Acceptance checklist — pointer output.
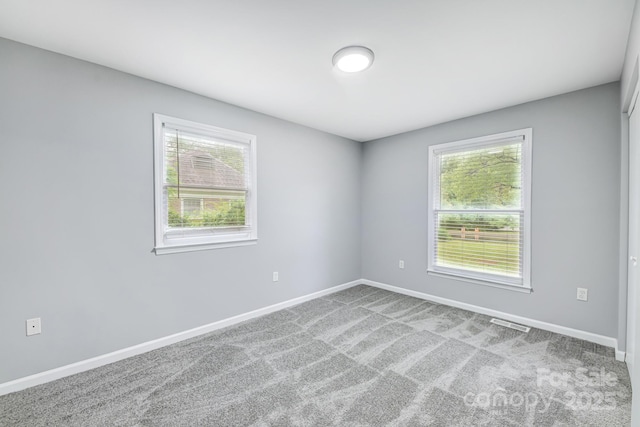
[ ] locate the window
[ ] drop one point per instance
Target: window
(479, 209)
(192, 207)
(205, 186)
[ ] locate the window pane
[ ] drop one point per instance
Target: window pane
(199, 161)
(212, 210)
(480, 241)
(485, 178)
(205, 181)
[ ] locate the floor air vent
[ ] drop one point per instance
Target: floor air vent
(510, 325)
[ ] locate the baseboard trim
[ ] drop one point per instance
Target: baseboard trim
(95, 362)
(105, 359)
(575, 333)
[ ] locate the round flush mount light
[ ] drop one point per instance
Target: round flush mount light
(353, 59)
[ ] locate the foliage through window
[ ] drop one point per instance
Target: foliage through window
(205, 186)
(479, 208)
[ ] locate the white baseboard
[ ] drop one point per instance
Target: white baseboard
(105, 359)
(575, 333)
(95, 362)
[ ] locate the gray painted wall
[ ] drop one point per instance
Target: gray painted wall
(76, 176)
(76, 179)
(575, 209)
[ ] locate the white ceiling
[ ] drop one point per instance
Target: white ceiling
(436, 60)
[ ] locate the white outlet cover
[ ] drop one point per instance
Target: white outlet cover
(583, 294)
(34, 326)
(275, 276)
(401, 264)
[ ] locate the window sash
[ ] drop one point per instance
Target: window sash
(478, 249)
(188, 146)
(438, 155)
(204, 208)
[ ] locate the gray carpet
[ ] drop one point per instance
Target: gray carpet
(360, 357)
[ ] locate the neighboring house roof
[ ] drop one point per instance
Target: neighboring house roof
(200, 169)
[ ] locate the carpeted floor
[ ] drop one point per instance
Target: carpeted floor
(360, 357)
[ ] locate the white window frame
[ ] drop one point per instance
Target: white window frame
(168, 241)
(519, 284)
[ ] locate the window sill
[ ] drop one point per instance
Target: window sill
(515, 288)
(178, 248)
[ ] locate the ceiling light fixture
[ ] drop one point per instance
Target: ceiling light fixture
(352, 59)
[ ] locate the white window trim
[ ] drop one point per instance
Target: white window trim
(478, 277)
(165, 241)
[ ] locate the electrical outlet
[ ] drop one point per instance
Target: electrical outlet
(401, 264)
(34, 326)
(275, 276)
(583, 294)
